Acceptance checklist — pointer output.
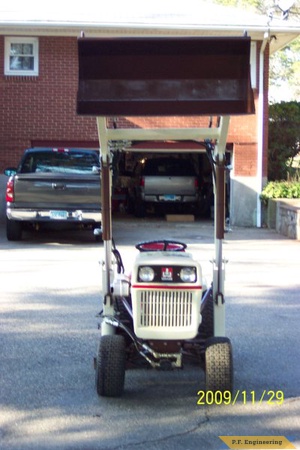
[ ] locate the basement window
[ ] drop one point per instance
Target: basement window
(21, 56)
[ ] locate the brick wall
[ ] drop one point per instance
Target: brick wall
(42, 111)
(43, 108)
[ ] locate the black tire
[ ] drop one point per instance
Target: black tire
(110, 366)
(218, 365)
(13, 230)
(98, 238)
(130, 205)
(140, 209)
(206, 329)
(122, 314)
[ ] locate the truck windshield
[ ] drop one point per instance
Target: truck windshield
(67, 162)
(168, 167)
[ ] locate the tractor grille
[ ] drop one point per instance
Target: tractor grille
(165, 308)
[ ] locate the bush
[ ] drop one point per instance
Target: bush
(280, 189)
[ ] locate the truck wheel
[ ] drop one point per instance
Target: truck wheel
(98, 237)
(130, 205)
(140, 209)
(110, 366)
(218, 365)
(13, 230)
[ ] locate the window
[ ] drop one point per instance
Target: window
(62, 161)
(21, 56)
(168, 167)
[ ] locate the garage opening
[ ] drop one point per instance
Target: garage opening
(190, 160)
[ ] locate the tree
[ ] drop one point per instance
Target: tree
(270, 7)
(285, 72)
(284, 138)
(285, 63)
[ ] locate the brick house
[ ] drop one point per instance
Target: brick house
(39, 77)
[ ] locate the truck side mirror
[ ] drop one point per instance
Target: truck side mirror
(10, 171)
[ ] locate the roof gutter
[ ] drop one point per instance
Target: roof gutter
(73, 28)
(140, 26)
(260, 118)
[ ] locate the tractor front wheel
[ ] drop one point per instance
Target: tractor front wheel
(110, 366)
(218, 365)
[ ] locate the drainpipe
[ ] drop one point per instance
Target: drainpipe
(260, 118)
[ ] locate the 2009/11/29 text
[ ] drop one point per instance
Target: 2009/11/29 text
(244, 397)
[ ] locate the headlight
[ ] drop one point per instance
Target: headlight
(188, 274)
(146, 273)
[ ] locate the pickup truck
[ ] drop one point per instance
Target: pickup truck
(161, 182)
(53, 185)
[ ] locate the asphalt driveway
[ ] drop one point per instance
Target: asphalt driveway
(50, 294)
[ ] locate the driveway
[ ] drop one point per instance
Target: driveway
(50, 294)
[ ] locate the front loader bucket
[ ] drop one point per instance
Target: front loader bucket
(164, 76)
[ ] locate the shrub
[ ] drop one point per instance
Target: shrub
(280, 189)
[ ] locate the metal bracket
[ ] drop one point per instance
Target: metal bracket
(219, 299)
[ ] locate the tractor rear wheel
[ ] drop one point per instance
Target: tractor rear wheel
(218, 365)
(110, 366)
(206, 328)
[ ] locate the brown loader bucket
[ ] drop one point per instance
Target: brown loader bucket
(164, 76)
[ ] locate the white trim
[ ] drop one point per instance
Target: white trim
(260, 129)
(253, 64)
(9, 40)
(284, 35)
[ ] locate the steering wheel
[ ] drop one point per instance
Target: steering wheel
(161, 245)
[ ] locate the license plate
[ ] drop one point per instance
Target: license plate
(59, 215)
(169, 198)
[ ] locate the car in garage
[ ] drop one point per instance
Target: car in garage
(163, 183)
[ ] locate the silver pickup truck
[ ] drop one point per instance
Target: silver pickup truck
(53, 185)
(161, 182)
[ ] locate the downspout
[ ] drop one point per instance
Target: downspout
(260, 118)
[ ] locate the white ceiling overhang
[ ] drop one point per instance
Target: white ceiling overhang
(131, 18)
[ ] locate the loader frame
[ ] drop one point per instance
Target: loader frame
(219, 135)
(165, 76)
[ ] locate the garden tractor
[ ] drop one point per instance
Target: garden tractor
(163, 310)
